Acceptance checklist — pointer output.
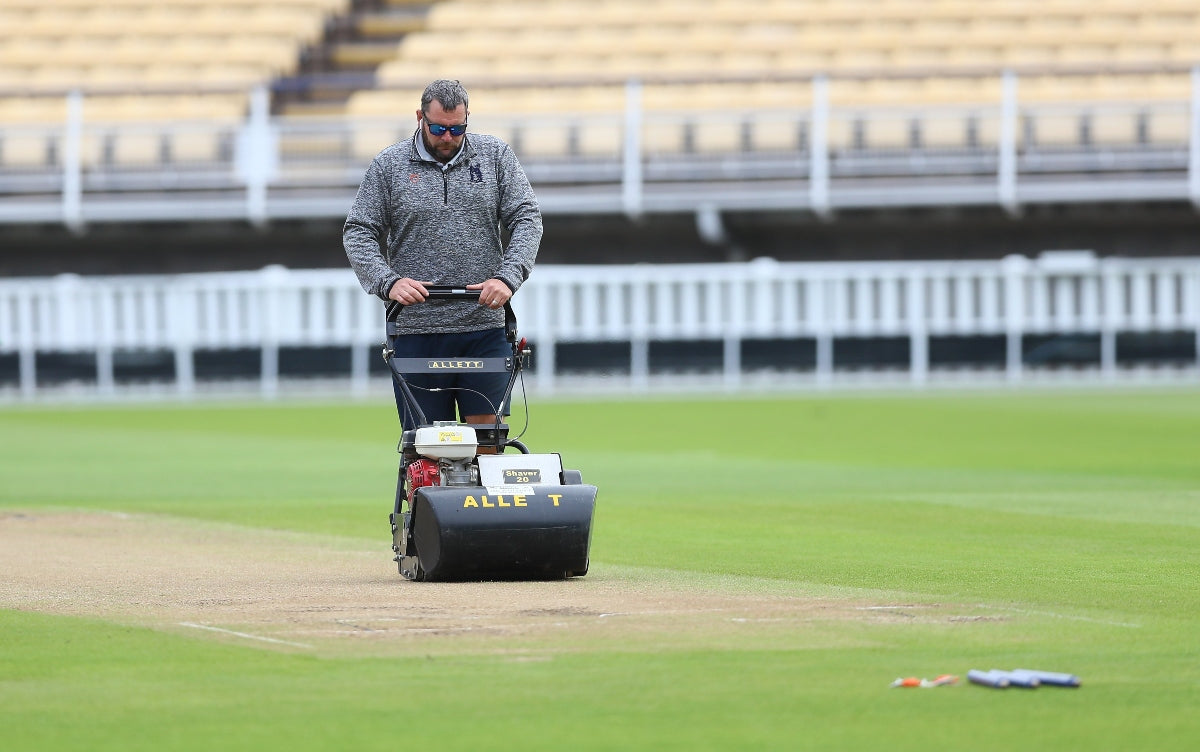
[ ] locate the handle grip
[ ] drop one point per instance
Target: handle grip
(436, 292)
(450, 292)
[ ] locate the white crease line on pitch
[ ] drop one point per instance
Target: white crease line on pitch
(1051, 614)
(244, 634)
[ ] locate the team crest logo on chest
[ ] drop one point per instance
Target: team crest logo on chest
(414, 177)
(476, 174)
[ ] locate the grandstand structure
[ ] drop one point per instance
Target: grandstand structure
(183, 110)
(228, 136)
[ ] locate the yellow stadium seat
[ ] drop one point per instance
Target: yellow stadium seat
(607, 99)
(141, 147)
(1185, 51)
(12, 76)
(542, 139)
(372, 137)
(25, 149)
(888, 131)
(1113, 126)
(384, 102)
(1140, 52)
(1050, 128)
(1095, 54)
(599, 138)
(194, 145)
(33, 110)
(714, 134)
(713, 96)
(652, 40)
(942, 131)
(516, 67)
(1022, 54)
(787, 132)
(1168, 127)
(804, 60)
(743, 62)
(841, 132)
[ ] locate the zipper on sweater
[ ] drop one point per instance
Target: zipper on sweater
(445, 188)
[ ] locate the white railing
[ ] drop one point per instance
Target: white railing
(809, 304)
(812, 155)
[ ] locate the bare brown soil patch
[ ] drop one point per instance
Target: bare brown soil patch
(307, 592)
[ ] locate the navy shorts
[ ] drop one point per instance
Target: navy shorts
(464, 393)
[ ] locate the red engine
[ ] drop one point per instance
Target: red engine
(421, 473)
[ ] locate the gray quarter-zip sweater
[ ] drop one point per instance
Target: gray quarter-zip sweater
(414, 217)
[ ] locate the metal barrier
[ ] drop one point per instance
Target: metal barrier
(791, 305)
(811, 155)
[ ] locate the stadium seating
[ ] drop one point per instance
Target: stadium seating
(716, 38)
(217, 51)
(727, 59)
(877, 53)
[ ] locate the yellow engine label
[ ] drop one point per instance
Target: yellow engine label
(451, 436)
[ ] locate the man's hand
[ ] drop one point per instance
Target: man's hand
(493, 293)
(407, 291)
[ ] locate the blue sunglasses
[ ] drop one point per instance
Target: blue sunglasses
(437, 129)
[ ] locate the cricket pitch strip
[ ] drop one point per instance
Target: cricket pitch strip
(303, 592)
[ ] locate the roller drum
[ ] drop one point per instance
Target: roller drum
(477, 533)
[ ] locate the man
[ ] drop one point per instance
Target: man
(430, 211)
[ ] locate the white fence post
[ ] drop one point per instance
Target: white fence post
(818, 147)
(366, 336)
(631, 174)
(359, 369)
(1194, 141)
(274, 281)
(27, 343)
(918, 333)
(1015, 267)
(1110, 282)
(1010, 115)
(639, 340)
(105, 338)
(1193, 302)
(258, 155)
(822, 322)
(181, 328)
(545, 353)
(731, 355)
(72, 163)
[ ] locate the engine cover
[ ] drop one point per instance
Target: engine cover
(422, 473)
(446, 441)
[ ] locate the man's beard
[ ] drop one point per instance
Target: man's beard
(441, 152)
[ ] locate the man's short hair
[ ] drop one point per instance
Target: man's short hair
(450, 94)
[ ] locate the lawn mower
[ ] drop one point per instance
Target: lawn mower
(467, 510)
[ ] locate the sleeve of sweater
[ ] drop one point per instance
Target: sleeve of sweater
(521, 216)
(364, 236)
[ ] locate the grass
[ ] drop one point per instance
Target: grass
(1075, 516)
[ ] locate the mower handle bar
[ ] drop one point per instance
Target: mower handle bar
(435, 292)
(451, 292)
